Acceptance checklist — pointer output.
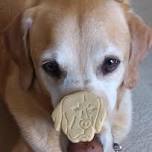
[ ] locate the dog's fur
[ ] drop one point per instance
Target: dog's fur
(79, 35)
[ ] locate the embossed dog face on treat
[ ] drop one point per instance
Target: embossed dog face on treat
(80, 116)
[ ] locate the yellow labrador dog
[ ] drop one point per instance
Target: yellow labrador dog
(52, 48)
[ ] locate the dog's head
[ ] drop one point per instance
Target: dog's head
(80, 115)
(71, 46)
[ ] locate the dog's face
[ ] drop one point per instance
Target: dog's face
(72, 46)
(80, 116)
(82, 120)
(81, 49)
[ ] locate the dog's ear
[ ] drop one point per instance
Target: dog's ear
(57, 117)
(141, 42)
(101, 116)
(17, 42)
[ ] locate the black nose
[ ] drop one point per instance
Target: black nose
(93, 146)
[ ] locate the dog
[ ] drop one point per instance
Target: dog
(53, 48)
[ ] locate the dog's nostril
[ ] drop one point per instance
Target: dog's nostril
(92, 147)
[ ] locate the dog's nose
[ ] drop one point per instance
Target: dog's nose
(85, 124)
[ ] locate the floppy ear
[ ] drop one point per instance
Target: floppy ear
(16, 39)
(101, 116)
(57, 117)
(141, 42)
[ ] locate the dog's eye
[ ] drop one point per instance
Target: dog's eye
(52, 68)
(110, 64)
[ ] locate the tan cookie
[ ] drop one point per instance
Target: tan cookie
(80, 116)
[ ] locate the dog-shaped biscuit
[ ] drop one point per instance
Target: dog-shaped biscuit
(80, 116)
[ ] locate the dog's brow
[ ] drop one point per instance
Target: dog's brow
(48, 55)
(110, 50)
(114, 50)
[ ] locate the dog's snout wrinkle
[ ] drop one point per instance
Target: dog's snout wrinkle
(84, 115)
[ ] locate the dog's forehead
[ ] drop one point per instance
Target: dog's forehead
(87, 30)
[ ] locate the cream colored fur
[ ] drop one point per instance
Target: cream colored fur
(80, 34)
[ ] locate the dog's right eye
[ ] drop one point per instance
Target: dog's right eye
(52, 68)
(110, 64)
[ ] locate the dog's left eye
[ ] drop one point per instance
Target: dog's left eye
(52, 68)
(109, 65)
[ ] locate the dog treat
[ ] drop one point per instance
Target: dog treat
(80, 116)
(93, 146)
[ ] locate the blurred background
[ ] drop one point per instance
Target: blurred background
(140, 137)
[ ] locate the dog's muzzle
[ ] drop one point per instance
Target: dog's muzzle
(80, 116)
